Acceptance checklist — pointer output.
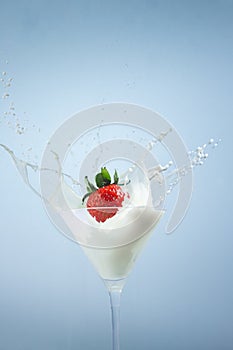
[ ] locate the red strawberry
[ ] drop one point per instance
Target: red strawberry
(105, 200)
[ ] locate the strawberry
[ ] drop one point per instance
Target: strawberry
(103, 202)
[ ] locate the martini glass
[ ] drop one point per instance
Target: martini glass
(96, 138)
(113, 246)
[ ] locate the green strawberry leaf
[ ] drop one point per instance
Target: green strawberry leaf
(90, 187)
(116, 178)
(101, 181)
(105, 174)
(103, 178)
(85, 196)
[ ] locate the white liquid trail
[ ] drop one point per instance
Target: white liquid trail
(197, 158)
(23, 169)
(11, 116)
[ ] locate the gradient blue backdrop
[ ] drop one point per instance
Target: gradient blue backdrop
(175, 57)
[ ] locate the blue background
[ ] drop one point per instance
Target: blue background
(175, 57)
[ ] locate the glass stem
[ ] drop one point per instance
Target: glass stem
(115, 297)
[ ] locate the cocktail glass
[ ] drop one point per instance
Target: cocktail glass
(99, 137)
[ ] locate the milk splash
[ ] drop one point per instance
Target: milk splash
(10, 116)
(169, 174)
(24, 168)
(171, 178)
(197, 157)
